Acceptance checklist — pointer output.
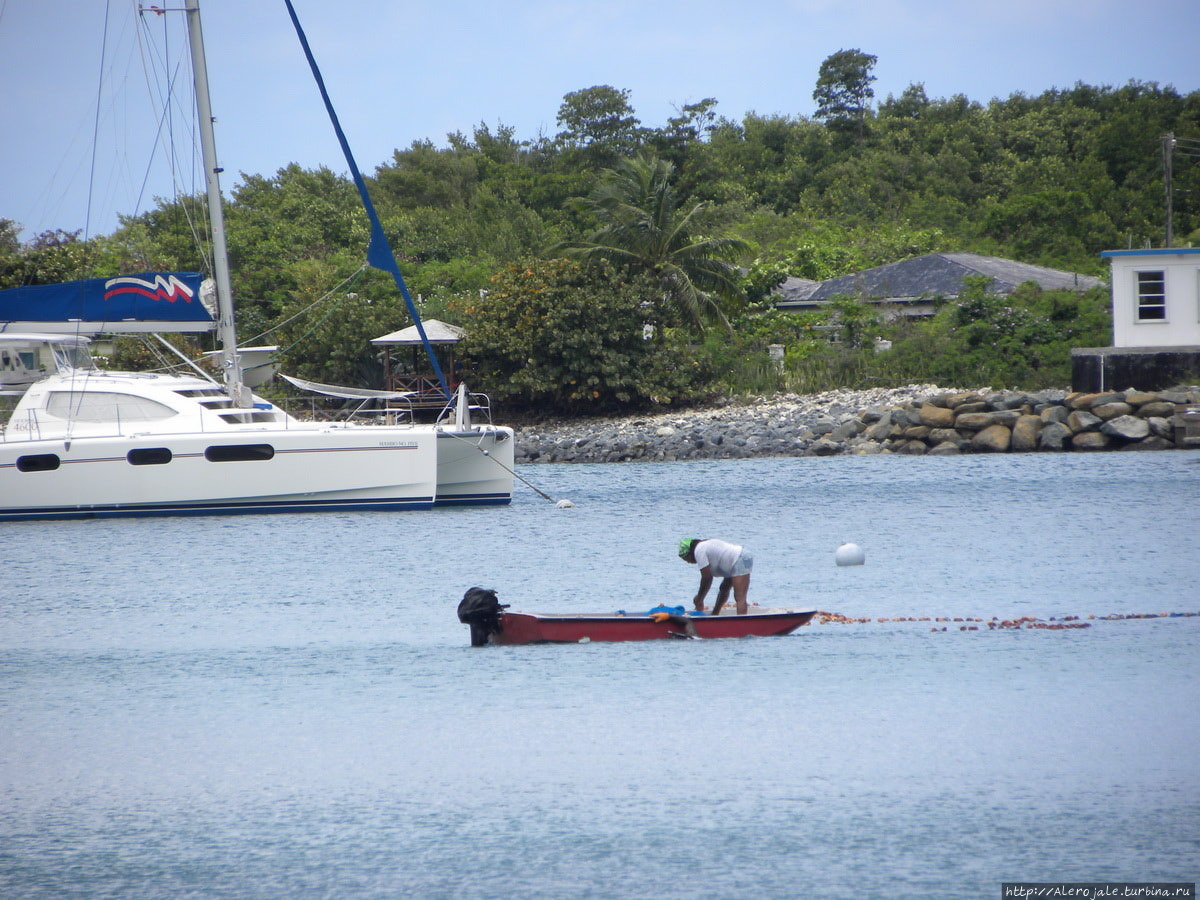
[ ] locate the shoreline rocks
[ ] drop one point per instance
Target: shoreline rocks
(916, 420)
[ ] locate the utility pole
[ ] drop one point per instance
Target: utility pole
(1168, 151)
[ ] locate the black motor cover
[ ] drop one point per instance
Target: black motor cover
(480, 609)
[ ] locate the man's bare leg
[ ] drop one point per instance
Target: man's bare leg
(741, 587)
(722, 595)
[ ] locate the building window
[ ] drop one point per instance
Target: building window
(1151, 296)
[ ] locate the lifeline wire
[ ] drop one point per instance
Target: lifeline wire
(560, 503)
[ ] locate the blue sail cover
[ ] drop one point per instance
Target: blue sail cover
(148, 302)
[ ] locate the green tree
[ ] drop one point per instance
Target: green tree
(599, 123)
(51, 257)
(326, 336)
(1023, 340)
(843, 92)
(643, 230)
(694, 124)
(556, 335)
(273, 223)
(424, 175)
(10, 233)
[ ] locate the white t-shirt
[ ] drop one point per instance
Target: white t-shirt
(721, 556)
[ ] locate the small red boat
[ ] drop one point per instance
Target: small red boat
(491, 623)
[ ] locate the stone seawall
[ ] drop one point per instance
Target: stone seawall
(918, 419)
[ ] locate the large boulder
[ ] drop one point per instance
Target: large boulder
(1082, 420)
(945, 448)
(1154, 442)
(1140, 398)
(973, 406)
(1090, 440)
(825, 447)
(1054, 436)
(956, 401)
(993, 439)
(1156, 408)
(1025, 433)
(974, 421)
(1161, 427)
(882, 429)
(1111, 410)
(1056, 413)
(942, 435)
(847, 429)
(936, 416)
(1181, 396)
(1009, 400)
(1126, 428)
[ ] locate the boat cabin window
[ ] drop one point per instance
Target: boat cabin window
(102, 406)
(149, 456)
(73, 356)
(39, 462)
(239, 452)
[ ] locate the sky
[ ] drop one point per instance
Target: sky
(401, 71)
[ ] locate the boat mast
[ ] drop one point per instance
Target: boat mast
(226, 329)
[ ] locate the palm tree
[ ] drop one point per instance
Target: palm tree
(643, 230)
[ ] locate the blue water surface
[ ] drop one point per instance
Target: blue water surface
(287, 706)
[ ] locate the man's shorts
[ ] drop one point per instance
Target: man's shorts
(745, 562)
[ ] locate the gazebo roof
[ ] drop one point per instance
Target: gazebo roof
(437, 332)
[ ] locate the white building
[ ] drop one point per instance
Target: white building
(1156, 324)
(1156, 297)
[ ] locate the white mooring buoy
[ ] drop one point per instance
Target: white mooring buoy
(850, 555)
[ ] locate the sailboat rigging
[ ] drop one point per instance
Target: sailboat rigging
(85, 442)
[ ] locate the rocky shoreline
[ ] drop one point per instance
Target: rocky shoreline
(917, 419)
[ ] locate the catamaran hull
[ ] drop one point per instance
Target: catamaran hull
(235, 472)
(474, 467)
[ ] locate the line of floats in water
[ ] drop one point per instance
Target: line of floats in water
(972, 623)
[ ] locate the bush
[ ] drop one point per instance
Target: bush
(551, 334)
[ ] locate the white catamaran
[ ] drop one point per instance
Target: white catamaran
(82, 441)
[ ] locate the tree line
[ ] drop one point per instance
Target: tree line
(619, 264)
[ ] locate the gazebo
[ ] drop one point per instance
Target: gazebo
(410, 375)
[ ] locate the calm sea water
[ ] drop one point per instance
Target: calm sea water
(288, 707)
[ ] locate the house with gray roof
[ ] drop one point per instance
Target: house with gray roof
(912, 287)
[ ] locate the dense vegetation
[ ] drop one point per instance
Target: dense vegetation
(690, 224)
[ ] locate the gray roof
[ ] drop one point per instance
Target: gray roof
(794, 289)
(942, 274)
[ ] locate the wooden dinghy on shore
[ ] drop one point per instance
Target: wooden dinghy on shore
(492, 623)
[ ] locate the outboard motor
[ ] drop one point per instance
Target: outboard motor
(480, 609)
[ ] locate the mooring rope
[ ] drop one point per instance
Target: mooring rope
(974, 623)
(561, 504)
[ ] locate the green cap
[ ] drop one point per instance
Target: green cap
(685, 547)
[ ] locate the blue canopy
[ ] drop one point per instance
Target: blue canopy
(148, 302)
